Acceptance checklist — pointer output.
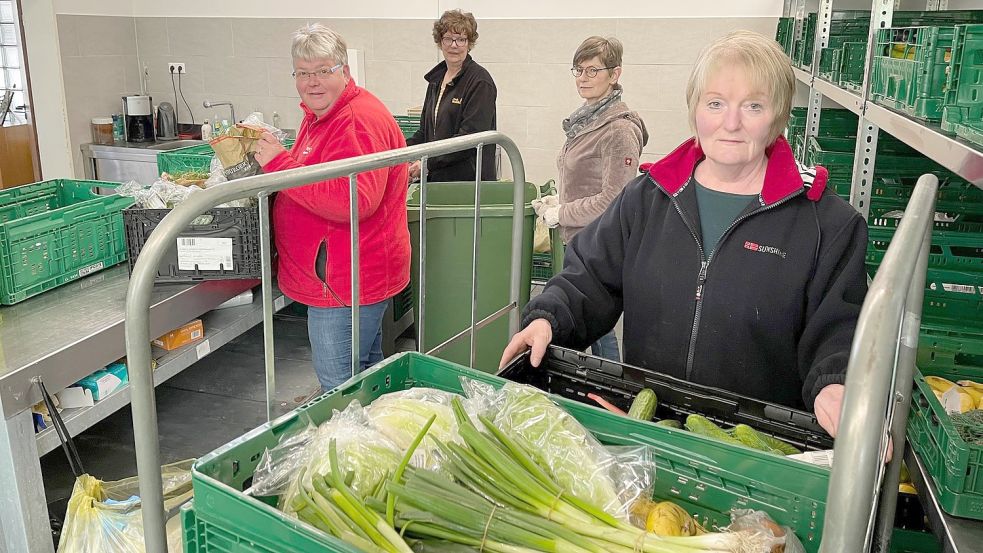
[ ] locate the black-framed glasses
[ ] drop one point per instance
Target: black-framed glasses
(591, 71)
(456, 41)
(320, 74)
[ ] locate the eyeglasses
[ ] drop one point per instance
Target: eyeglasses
(591, 71)
(456, 41)
(320, 74)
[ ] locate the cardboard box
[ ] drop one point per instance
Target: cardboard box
(182, 336)
(105, 381)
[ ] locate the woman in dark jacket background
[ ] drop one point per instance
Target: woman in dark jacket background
(460, 100)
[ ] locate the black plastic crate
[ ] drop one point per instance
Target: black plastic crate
(573, 375)
(224, 245)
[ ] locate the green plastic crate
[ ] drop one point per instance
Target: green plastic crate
(952, 250)
(57, 231)
(408, 124)
(909, 69)
(952, 298)
(907, 541)
(852, 58)
(893, 157)
(956, 467)
(193, 158)
(785, 33)
(950, 350)
(963, 111)
(402, 303)
(705, 476)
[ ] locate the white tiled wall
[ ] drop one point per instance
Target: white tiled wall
(247, 61)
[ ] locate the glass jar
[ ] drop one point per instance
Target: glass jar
(102, 130)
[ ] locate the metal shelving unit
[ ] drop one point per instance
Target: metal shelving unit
(221, 327)
(956, 154)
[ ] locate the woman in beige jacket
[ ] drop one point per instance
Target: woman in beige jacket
(604, 141)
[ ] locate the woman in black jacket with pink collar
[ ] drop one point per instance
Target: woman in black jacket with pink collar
(460, 100)
(732, 264)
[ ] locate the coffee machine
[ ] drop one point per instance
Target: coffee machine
(138, 118)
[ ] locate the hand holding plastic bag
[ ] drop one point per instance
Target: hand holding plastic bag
(106, 516)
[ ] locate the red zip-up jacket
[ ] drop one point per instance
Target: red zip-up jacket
(311, 223)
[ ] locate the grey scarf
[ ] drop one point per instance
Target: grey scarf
(588, 113)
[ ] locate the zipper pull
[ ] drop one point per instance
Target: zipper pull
(324, 289)
(702, 278)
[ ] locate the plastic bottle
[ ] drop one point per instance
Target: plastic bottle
(276, 119)
(217, 127)
(206, 131)
(118, 127)
(225, 125)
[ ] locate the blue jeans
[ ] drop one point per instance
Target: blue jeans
(607, 347)
(330, 333)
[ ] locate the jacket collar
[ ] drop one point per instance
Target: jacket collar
(350, 91)
(784, 176)
(438, 71)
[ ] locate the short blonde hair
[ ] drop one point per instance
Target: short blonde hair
(609, 50)
(768, 67)
(456, 21)
(315, 41)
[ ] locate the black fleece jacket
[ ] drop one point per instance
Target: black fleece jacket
(771, 314)
(467, 106)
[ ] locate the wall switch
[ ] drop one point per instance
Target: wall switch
(177, 67)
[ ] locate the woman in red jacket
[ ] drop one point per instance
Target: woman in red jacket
(311, 223)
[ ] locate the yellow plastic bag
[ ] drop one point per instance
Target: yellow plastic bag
(106, 516)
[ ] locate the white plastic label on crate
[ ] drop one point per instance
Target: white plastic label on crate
(206, 253)
(279, 303)
(203, 349)
(823, 458)
(91, 269)
(961, 288)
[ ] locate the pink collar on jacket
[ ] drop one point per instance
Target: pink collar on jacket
(350, 91)
(783, 176)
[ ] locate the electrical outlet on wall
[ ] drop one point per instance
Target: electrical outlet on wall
(176, 67)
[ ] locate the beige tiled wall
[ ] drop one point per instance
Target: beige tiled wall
(247, 61)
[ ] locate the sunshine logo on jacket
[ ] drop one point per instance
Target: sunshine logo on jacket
(755, 247)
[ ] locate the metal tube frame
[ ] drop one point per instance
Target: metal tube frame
(878, 382)
(142, 282)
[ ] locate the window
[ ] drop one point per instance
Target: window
(11, 68)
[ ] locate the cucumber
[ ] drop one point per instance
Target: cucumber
(775, 443)
(750, 437)
(698, 424)
(643, 408)
(669, 423)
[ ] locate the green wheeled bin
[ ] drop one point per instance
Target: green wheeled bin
(450, 227)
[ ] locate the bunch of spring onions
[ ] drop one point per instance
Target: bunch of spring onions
(502, 501)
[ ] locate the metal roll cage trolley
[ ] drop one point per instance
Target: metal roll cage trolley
(879, 377)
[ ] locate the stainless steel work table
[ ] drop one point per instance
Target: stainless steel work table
(64, 335)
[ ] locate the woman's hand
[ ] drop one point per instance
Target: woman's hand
(414, 171)
(267, 148)
(537, 336)
(829, 402)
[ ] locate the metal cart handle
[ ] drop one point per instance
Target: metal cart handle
(878, 384)
(137, 327)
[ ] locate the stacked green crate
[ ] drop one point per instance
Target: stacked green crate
(833, 122)
(408, 124)
(909, 69)
(963, 110)
(193, 159)
(785, 33)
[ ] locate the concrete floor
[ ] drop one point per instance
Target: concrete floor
(207, 405)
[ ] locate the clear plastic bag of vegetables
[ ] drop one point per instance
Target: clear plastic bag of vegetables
(401, 415)
(366, 454)
(609, 477)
